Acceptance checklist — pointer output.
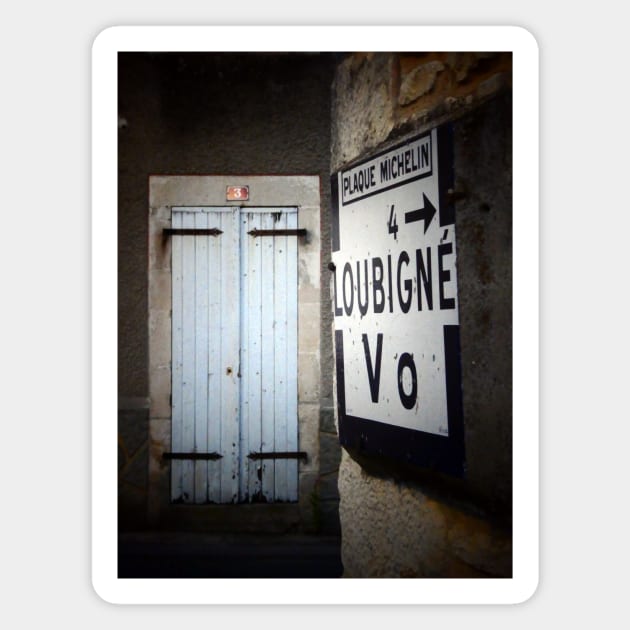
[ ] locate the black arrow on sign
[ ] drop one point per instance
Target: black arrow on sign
(427, 212)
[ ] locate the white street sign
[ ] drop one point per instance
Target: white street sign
(395, 288)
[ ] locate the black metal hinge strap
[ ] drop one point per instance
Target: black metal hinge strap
(192, 232)
(296, 232)
(279, 455)
(202, 456)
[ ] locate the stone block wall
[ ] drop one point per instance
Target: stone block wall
(385, 95)
(402, 522)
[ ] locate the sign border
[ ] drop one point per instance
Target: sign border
(363, 436)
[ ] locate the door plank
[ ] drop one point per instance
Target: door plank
(230, 340)
(280, 355)
(214, 358)
(268, 364)
(188, 370)
(176, 359)
(252, 368)
(292, 355)
(201, 357)
(243, 489)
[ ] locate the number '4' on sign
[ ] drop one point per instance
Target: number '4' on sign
(391, 224)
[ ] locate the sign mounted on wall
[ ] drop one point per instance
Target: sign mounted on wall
(396, 305)
(237, 193)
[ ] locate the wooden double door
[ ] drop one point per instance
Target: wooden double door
(234, 355)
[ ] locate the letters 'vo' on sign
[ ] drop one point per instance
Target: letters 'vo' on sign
(396, 304)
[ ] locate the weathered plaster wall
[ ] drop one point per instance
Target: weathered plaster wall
(398, 522)
(201, 113)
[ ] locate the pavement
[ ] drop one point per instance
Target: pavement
(198, 555)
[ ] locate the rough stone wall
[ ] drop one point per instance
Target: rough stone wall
(378, 97)
(401, 523)
(395, 529)
(201, 113)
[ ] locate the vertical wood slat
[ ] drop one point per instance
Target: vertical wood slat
(292, 355)
(176, 361)
(280, 355)
(254, 306)
(188, 351)
(201, 357)
(214, 359)
(268, 366)
(243, 488)
(230, 343)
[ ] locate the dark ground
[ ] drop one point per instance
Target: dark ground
(192, 555)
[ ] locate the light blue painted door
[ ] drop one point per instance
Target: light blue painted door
(234, 355)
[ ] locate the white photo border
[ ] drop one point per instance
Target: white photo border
(105, 50)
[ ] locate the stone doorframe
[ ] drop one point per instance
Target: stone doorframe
(166, 191)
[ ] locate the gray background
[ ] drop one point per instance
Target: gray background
(46, 142)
